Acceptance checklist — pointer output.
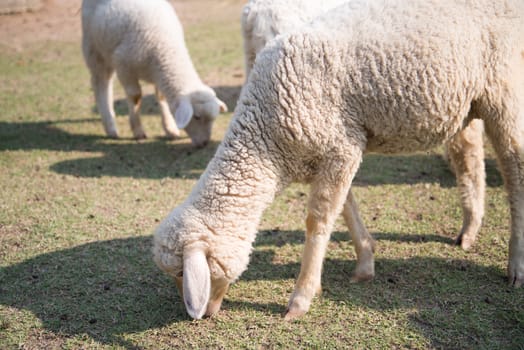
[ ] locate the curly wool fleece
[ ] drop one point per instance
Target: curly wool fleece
(384, 76)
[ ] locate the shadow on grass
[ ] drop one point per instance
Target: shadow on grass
(280, 238)
(161, 158)
(410, 238)
(154, 159)
(101, 289)
(108, 288)
(454, 303)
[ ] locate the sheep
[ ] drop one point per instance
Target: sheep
(391, 76)
(264, 20)
(144, 40)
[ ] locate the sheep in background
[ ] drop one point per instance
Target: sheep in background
(263, 20)
(370, 76)
(144, 40)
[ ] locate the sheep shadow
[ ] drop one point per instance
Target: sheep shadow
(279, 238)
(162, 158)
(448, 299)
(108, 288)
(377, 169)
(101, 289)
(155, 159)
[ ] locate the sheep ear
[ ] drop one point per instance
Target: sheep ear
(222, 106)
(196, 283)
(183, 113)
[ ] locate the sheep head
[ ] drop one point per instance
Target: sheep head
(202, 292)
(196, 112)
(198, 274)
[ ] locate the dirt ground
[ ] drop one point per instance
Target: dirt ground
(59, 20)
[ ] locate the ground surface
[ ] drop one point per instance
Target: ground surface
(59, 20)
(77, 210)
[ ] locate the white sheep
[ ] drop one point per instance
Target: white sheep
(370, 76)
(144, 40)
(263, 20)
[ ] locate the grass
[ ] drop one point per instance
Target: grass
(77, 211)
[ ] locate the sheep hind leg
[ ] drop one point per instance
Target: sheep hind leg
(134, 100)
(506, 133)
(168, 122)
(328, 193)
(364, 243)
(466, 156)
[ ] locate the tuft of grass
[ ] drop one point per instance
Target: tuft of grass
(78, 209)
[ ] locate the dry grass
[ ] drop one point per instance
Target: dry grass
(77, 211)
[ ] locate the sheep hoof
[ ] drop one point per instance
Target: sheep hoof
(515, 275)
(318, 291)
(361, 277)
(112, 134)
(516, 281)
(465, 241)
(292, 314)
(173, 135)
(140, 136)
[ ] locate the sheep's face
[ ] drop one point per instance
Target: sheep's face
(200, 288)
(196, 113)
(200, 279)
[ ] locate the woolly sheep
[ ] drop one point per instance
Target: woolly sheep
(370, 76)
(144, 40)
(263, 20)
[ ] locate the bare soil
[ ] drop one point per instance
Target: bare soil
(59, 20)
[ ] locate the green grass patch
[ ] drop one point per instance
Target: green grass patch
(78, 209)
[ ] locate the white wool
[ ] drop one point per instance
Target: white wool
(370, 76)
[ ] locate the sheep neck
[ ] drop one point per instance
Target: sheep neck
(239, 183)
(176, 76)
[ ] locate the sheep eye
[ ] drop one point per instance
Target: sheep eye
(197, 117)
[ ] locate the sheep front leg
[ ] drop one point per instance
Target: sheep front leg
(512, 164)
(327, 196)
(364, 243)
(134, 100)
(466, 157)
(168, 122)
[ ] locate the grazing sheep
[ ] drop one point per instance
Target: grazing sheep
(465, 155)
(263, 20)
(143, 40)
(370, 76)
